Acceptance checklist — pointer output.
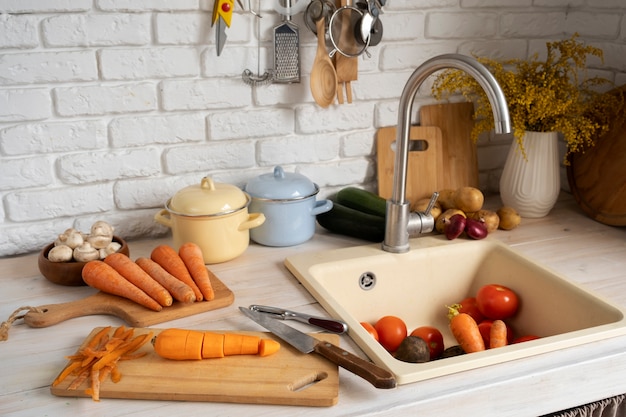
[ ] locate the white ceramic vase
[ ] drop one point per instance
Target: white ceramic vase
(531, 186)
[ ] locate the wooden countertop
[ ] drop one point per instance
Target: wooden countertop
(567, 241)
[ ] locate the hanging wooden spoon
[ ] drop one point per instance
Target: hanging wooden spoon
(323, 81)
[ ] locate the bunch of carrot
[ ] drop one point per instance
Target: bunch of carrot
(154, 282)
(466, 332)
(99, 358)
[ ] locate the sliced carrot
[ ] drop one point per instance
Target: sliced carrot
(497, 334)
(213, 345)
(191, 254)
(99, 275)
(136, 275)
(240, 344)
(268, 347)
(179, 290)
(169, 259)
(465, 330)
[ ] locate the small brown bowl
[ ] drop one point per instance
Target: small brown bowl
(68, 273)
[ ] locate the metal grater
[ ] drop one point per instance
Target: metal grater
(287, 51)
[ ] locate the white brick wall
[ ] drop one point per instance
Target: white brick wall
(108, 107)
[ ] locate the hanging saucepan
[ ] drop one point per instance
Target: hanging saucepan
(288, 202)
(212, 215)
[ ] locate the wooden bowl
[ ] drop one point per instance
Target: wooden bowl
(68, 273)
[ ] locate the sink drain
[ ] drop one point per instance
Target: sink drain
(367, 281)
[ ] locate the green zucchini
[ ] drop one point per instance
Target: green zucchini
(362, 200)
(351, 222)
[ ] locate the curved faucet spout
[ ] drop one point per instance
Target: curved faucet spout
(398, 213)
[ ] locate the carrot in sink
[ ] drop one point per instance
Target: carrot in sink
(497, 334)
(192, 257)
(465, 330)
(179, 290)
(102, 276)
(169, 259)
(133, 273)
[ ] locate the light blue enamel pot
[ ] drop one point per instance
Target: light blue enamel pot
(288, 201)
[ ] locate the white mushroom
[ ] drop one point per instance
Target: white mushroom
(111, 248)
(101, 234)
(71, 237)
(60, 253)
(86, 253)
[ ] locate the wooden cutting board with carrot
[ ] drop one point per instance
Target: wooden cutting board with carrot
(287, 377)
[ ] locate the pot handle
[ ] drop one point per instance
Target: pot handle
(321, 206)
(163, 217)
(254, 220)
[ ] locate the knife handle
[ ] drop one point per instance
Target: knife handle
(374, 374)
(330, 325)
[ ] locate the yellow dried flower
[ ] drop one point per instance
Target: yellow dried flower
(543, 96)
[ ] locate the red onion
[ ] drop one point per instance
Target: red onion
(475, 229)
(455, 226)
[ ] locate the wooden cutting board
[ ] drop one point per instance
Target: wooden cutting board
(424, 175)
(129, 311)
(460, 163)
(288, 377)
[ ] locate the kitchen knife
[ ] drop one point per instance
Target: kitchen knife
(375, 375)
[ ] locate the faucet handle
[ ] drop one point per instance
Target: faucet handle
(431, 203)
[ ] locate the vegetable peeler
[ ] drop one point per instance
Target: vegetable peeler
(332, 325)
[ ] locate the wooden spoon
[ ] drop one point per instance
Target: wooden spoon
(323, 81)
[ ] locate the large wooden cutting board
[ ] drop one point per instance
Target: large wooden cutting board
(460, 163)
(288, 377)
(129, 311)
(424, 174)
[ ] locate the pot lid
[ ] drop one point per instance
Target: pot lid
(281, 185)
(208, 198)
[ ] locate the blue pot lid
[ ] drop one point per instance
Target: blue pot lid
(281, 185)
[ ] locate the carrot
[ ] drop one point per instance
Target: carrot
(180, 344)
(191, 254)
(178, 289)
(497, 334)
(167, 257)
(465, 330)
(133, 273)
(100, 275)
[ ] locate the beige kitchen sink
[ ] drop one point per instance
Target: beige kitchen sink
(364, 283)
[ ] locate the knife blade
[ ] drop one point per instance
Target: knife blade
(374, 374)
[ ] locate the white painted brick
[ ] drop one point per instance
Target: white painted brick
(24, 104)
(101, 99)
(419, 4)
(410, 56)
(595, 25)
(614, 55)
(298, 149)
(539, 24)
(183, 28)
(567, 3)
(207, 94)
(39, 138)
(25, 172)
(166, 129)
(137, 64)
(500, 3)
(97, 29)
(313, 119)
(231, 63)
(361, 143)
(283, 94)
(18, 31)
(29, 237)
(496, 49)
(47, 67)
(250, 124)
(212, 156)
(50, 203)
(403, 26)
(135, 224)
(609, 4)
(134, 194)
(146, 5)
(38, 6)
(349, 171)
(81, 168)
(461, 25)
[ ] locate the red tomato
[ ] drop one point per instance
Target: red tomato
(496, 301)
(470, 306)
(391, 332)
(484, 327)
(433, 337)
(525, 338)
(370, 329)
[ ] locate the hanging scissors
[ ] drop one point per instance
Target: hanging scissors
(222, 16)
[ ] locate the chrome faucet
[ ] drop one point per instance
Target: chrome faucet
(400, 223)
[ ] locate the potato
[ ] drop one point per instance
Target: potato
(469, 199)
(446, 199)
(413, 349)
(490, 218)
(445, 217)
(421, 204)
(509, 218)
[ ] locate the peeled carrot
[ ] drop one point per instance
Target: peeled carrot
(497, 334)
(178, 289)
(99, 275)
(169, 259)
(465, 330)
(133, 273)
(180, 344)
(191, 254)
